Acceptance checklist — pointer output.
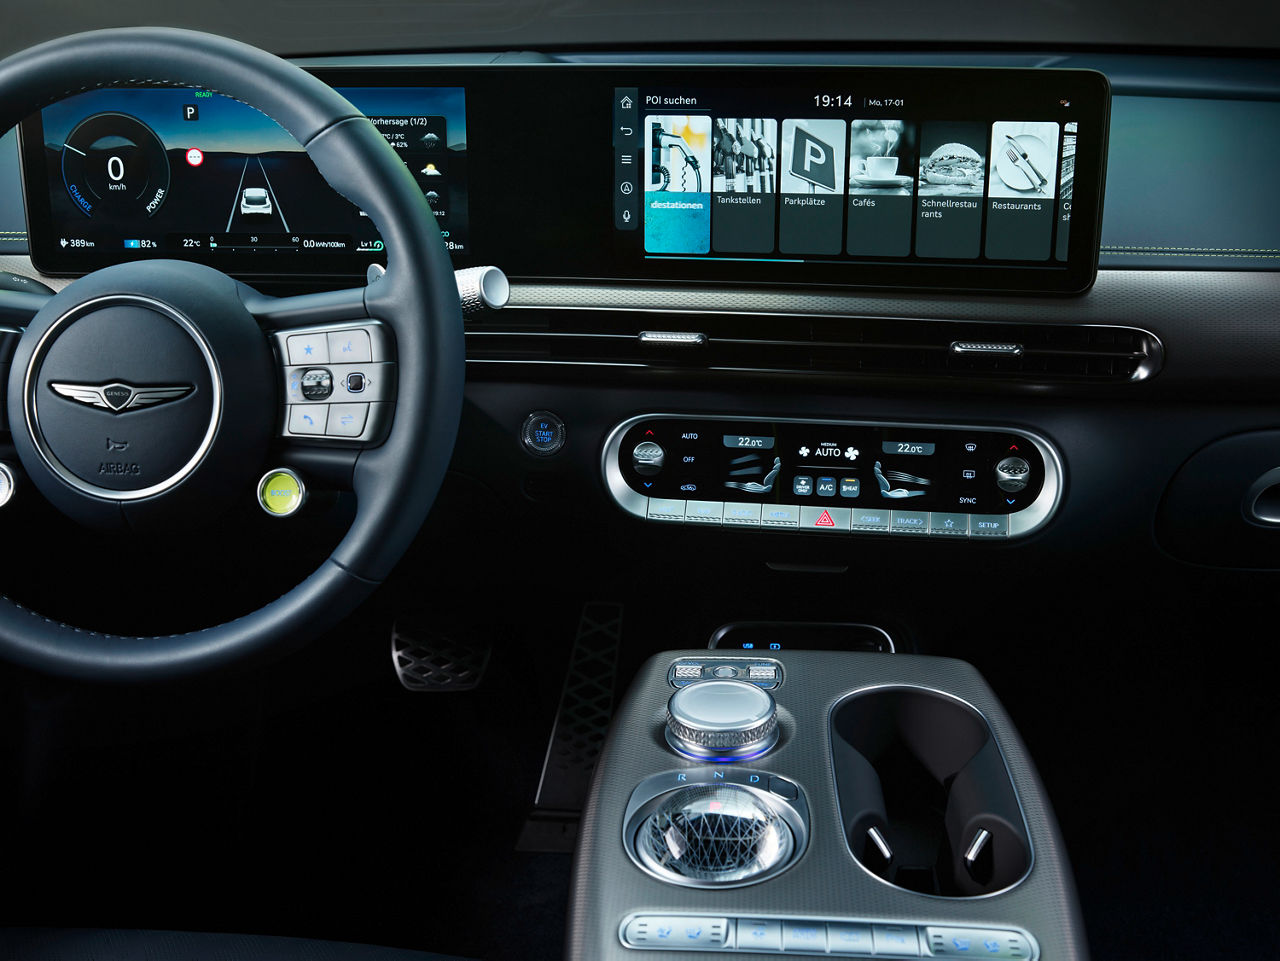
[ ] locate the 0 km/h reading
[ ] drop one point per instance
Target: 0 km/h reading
(115, 163)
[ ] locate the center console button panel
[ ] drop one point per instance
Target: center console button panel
(834, 477)
(761, 672)
(846, 938)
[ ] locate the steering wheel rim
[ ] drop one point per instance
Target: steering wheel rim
(396, 482)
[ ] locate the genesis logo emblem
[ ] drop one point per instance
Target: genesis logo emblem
(118, 398)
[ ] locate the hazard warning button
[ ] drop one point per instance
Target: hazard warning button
(825, 518)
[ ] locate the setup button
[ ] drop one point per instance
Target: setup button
(989, 525)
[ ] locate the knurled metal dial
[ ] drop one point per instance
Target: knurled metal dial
(721, 720)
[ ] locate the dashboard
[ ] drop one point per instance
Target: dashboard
(903, 177)
(735, 320)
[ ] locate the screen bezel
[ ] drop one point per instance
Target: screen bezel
(577, 241)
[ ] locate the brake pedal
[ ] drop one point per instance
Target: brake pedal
(427, 661)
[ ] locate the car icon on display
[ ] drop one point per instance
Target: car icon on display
(255, 200)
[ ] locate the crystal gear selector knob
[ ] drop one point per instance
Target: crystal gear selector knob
(718, 720)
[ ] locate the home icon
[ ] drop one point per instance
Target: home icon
(626, 103)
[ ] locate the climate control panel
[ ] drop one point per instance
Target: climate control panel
(823, 476)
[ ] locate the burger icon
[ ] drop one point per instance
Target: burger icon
(953, 163)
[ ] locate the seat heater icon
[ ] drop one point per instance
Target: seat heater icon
(897, 493)
(758, 487)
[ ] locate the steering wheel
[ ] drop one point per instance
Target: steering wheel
(176, 360)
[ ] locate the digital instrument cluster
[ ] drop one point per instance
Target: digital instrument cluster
(149, 172)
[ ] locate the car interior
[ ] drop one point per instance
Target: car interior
(535, 481)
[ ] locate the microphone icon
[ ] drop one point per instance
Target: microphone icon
(626, 216)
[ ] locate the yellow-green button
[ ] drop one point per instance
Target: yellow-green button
(281, 492)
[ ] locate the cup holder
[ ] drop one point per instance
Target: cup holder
(926, 802)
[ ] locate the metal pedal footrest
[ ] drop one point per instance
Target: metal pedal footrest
(426, 660)
(586, 705)
(582, 720)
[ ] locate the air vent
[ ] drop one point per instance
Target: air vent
(886, 347)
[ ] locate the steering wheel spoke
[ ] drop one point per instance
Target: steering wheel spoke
(337, 367)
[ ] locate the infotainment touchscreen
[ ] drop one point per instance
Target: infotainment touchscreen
(909, 176)
(891, 177)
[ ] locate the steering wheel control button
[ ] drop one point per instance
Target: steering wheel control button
(281, 492)
(988, 525)
(308, 419)
(317, 384)
(347, 420)
(308, 349)
(7, 484)
(354, 382)
(721, 720)
(349, 347)
(542, 433)
(1012, 474)
(647, 458)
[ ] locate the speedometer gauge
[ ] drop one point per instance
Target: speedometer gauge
(115, 164)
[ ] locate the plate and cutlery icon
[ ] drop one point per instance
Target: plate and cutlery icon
(1020, 161)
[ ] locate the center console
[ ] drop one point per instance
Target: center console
(812, 803)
